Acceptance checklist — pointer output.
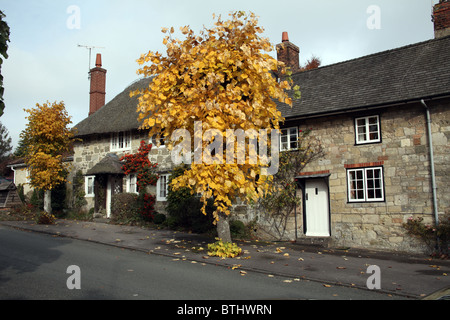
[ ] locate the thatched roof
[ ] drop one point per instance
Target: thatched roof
(118, 115)
(108, 165)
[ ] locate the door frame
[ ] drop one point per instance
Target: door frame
(104, 191)
(112, 181)
(301, 183)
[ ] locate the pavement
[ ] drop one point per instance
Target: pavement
(404, 275)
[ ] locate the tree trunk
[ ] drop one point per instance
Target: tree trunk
(48, 201)
(223, 228)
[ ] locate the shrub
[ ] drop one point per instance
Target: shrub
(59, 200)
(430, 234)
(237, 229)
(183, 208)
(79, 199)
(20, 192)
(159, 218)
(37, 199)
(146, 204)
(130, 208)
(23, 212)
(124, 208)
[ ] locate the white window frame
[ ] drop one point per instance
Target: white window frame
(364, 185)
(89, 186)
(161, 191)
(27, 177)
(120, 141)
(288, 136)
(155, 145)
(363, 132)
(132, 186)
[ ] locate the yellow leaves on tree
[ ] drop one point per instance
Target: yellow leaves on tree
(224, 78)
(47, 137)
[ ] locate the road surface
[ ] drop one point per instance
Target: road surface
(40, 266)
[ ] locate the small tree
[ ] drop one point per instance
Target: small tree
(47, 137)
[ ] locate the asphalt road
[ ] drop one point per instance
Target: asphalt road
(35, 266)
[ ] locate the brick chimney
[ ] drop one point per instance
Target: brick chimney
(441, 19)
(288, 53)
(98, 86)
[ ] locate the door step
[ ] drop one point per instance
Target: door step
(319, 242)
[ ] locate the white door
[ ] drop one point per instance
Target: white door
(108, 197)
(317, 208)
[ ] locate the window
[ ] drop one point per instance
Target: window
(162, 187)
(132, 186)
(288, 139)
(162, 142)
(367, 130)
(28, 175)
(365, 184)
(89, 186)
(120, 141)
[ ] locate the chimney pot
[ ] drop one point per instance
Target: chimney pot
(98, 61)
(285, 37)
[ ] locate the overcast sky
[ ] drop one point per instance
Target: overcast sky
(45, 62)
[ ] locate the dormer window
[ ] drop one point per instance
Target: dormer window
(155, 144)
(120, 141)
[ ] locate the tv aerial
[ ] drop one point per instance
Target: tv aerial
(90, 51)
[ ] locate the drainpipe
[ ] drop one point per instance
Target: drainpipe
(433, 177)
(14, 173)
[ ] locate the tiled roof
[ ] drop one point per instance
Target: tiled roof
(408, 73)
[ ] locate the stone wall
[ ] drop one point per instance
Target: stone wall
(93, 149)
(404, 155)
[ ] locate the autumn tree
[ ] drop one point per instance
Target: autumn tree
(47, 137)
(223, 80)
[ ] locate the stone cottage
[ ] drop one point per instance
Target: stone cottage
(108, 133)
(383, 121)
